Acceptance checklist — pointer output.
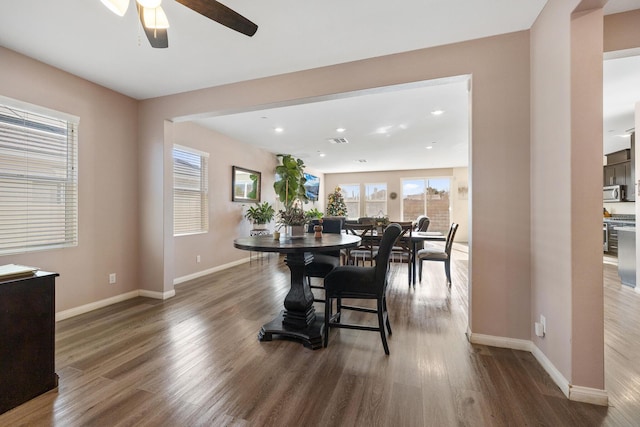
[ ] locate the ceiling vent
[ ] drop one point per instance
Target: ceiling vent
(338, 140)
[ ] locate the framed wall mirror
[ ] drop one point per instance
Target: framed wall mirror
(245, 185)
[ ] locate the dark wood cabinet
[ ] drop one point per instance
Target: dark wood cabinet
(27, 334)
(620, 170)
(617, 174)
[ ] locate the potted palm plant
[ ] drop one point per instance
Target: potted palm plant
(289, 188)
(260, 214)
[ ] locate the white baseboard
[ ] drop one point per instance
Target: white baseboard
(555, 374)
(575, 393)
(589, 395)
(157, 295)
(76, 311)
(95, 305)
(512, 343)
(208, 271)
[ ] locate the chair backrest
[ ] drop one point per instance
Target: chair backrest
(362, 230)
(391, 234)
(404, 239)
(450, 236)
(332, 225)
(329, 225)
(423, 224)
(367, 220)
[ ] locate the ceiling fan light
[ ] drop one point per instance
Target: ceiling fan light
(119, 7)
(155, 18)
(151, 4)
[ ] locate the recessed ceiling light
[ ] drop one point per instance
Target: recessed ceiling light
(340, 130)
(624, 135)
(361, 161)
(437, 112)
(322, 154)
(429, 147)
(279, 129)
(383, 130)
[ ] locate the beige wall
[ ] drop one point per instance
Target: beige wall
(566, 155)
(622, 31)
(226, 218)
(459, 208)
(108, 196)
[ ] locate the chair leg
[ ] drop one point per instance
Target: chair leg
(381, 326)
(447, 270)
(338, 310)
(384, 302)
(327, 316)
(420, 270)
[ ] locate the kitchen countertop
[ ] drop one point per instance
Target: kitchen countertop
(615, 219)
(629, 229)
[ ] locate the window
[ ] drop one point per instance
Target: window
(190, 191)
(431, 197)
(375, 202)
(351, 194)
(38, 178)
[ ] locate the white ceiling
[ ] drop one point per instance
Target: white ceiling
(85, 39)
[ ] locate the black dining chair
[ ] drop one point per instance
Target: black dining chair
(401, 251)
(423, 224)
(360, 282)
(323, 262)
(367, 250)
(433, 253)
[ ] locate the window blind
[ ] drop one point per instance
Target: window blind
(38, 181)
(190, 191)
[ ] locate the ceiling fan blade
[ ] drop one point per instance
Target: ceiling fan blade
(158, 37)
(222, 14)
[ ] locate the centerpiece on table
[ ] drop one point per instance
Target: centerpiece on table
(289, 188)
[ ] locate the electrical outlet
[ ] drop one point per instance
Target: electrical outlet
(543, 320)
(197, 258)
(112, 278)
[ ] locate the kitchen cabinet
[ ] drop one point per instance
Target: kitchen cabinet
(618, 174)
(613, 233)
(620, 170)
(627, 255)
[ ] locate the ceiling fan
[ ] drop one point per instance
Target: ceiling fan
(155, 22)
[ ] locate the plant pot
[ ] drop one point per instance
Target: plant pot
(296, 231)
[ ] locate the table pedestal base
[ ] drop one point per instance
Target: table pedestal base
(310, 336)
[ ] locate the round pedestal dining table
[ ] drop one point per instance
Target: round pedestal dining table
(298, 320)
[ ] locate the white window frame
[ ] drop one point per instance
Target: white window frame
(190, 202)
(425, 182)
(368, 191)
(38, 178)
(348, 201)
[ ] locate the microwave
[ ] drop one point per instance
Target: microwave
(613, 193)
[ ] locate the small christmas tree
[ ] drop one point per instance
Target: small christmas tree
(336, 206)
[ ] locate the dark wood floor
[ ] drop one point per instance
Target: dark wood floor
(195, 360)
